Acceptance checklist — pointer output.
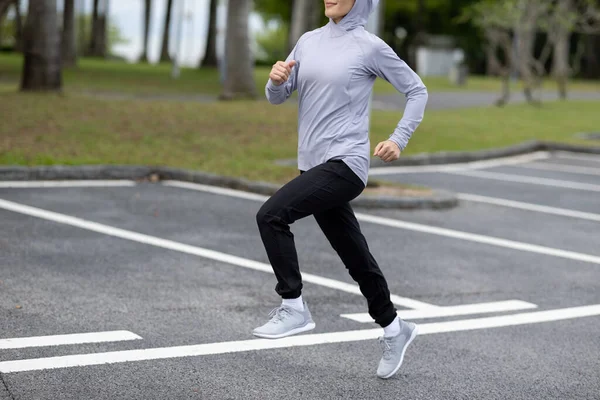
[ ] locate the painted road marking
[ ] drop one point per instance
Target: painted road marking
(217, 190)
(529, 206)
(510, 244)
(80, 360)
(574, 169)
(399, 224)
(198, 251)
(528, 179)
(60, 340)
(452, 311)
(498, 162)
(65, 184)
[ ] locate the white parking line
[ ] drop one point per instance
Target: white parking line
(452, 311)
(217, 190)
(60, 340)
(497, 162)
(395, 223)
(577, 156)
(64, 184)
(198, 251)
(529, 206)
(80, 360)
(528, 179)
(573, 169)
(494, 241)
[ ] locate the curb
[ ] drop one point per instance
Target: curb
(457, 157)
(438, 200)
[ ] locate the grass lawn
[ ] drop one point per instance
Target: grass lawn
(143, 79)
(242, 138)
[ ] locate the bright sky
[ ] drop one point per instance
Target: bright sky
(128, 15)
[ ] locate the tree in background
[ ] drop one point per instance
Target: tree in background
(4, 4)
(164, 52)
(565, 18)
(272, 44)
(98, 39)
(147, 10)
(13, 29)
(210, 55)
(69, 36)
(299, 24)
(114, 35)
(239, 82)
(42, 69)
(495, 20)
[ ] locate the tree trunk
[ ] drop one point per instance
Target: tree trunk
(99, 17)
(526, 33)
(92, 45)
(69, 52)
(19, 31)
(210, 56)
(560, 67)
(81, 27)
(299, 22)
(147, 9)
(592, 57)
(3, 11)
(42, 66)
(561, 63)
(239, 82)
(164, 52)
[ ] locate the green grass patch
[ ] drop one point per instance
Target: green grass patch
(102, 76)
(243, 138)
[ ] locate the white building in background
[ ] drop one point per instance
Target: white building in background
(439, 57)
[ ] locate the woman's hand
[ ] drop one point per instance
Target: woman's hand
(388, 151)
(281, 72)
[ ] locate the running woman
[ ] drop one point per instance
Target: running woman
(334, 69)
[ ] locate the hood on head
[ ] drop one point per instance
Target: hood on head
(359, 15)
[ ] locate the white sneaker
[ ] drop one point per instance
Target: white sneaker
(285, 321)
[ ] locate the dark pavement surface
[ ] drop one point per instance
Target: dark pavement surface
(71, 280)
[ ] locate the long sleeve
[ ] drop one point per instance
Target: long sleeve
(279, 94)
(383, 62)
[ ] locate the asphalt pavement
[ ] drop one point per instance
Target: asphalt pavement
(163, 286)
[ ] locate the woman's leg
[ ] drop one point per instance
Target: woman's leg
(314, 191)
(343, 232)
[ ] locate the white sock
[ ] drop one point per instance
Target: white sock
(296, 304)
(392, 329)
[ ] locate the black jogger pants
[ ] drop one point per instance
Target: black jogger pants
(324, 191)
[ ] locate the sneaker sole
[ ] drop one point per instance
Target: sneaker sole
(413, 335)
(308, 327)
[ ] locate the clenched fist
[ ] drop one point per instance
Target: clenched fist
(388, 151)
(281, 72)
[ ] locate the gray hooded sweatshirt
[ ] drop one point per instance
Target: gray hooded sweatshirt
(336, 67)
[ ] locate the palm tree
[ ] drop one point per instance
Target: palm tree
(69, 54)
(164, 52)
(239, 82)
(42, 67)
(210, 56)
(147, 9)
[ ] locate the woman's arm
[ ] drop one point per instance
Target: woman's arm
(277, 94)
(383, 62)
